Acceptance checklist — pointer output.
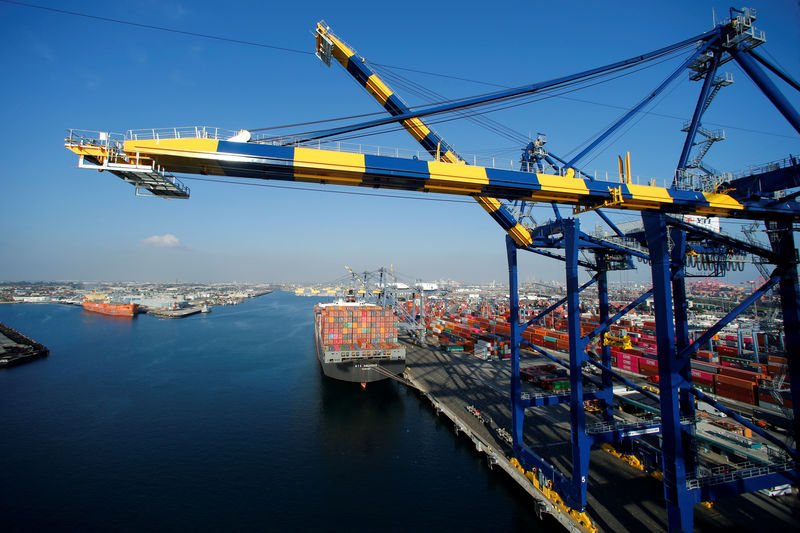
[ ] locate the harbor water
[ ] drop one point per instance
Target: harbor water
(224, 422)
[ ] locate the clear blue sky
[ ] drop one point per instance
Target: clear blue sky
(62, 71)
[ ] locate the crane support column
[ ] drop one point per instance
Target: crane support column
(606, 393)
(681, 314)
(581, 443)
(680, 504)
(782, 240)
(517, 409)
(767, 87)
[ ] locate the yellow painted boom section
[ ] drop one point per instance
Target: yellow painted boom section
(416, 128)
(560, 185)
(720, 204)
(519, 233)
(341, 52)
(330, 167)
(88, 149)
(419, 130)
(648, 196)
(179, 147)
(378, 89)
(461, 176)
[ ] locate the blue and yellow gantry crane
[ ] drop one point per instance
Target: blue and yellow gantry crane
(149, 159)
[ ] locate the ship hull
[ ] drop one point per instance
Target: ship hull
(126, 310)
(361, 372)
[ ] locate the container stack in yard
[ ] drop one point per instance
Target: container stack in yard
(724, 370)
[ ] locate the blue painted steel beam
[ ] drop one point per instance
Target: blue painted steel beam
(611, 246)
(775, 70)
(511, 93)
(544, 401)
(624, 311)
(680, 310)
(789, 290)
(529, 459)
(764, 183)
(617, 435)
(625, 380)
(546, 230)
(611, 225)
(700, 395)
(638, 107)
(581, 443)
(552, 255)
(557, 360)
(699, 109)
(606, 392)
(723, 239)
(742, 486)
(769, 89)
(736, 311)
(517, 410)
(559, 303)
(680, 505)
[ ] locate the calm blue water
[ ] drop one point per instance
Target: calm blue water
(225, 422)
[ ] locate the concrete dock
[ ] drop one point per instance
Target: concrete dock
(173, 313)
(16, 348)
(620, 497)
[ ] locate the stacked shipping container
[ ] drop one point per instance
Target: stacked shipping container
(358, 327)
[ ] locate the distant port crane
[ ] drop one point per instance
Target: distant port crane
(149, 159)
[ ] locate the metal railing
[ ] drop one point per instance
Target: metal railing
(222, 134)
(564, 393)
(95, 138)
(761, 168)
(709, 183)
(183, 132)
(642, 423)
(117, 160)
(728, 473)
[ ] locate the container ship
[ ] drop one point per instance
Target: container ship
(357, 341)
(100, 303)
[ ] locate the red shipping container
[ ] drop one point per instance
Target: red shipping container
(647, 370)
(698, 375)
(738, 373)
(735, 382)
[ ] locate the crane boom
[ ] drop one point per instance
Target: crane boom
(328, 45)
(215, 156)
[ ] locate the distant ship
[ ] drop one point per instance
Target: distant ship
(357, 341)
(101, 303)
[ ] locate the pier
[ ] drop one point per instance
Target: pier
(16, 348)
(173, 313)
(472, 393)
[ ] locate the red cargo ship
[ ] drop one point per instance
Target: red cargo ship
(98, 303)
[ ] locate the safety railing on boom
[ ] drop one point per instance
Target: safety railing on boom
(222, 134)
(107, 152)
(95, 138)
